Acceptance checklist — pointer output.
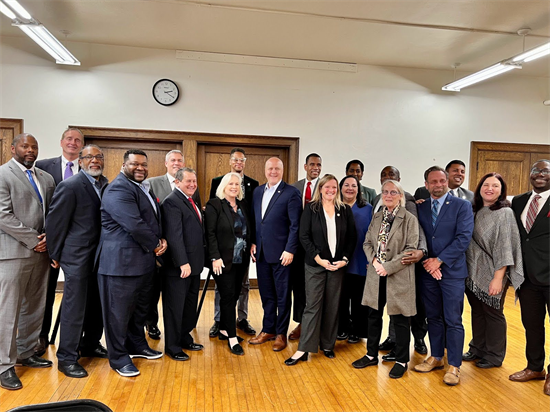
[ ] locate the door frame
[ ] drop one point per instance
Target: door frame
(17, 126)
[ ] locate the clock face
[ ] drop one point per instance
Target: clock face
(166, 92)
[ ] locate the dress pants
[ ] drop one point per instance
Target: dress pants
(152, 318)
(274, 285)
(320, 320)
(353, 316)
(50, 299)
(401, 324)
(242, 308)
(444, 301)
(125, 302)
(534, 303)
(298, 285)
(180, 297)
(229, 285)
(22, 300)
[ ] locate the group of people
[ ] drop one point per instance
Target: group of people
(332, 253)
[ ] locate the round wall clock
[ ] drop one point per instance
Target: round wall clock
(166, 92)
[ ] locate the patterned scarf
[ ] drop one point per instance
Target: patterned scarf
(385, 227)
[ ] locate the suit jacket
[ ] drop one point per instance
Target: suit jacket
(314, 237)
(184, 233)
(130, 230)
(301, 185)
(249, 186)
(451, 235)
(73, 225)
(53, 166)
(220, 231)
(422, 193)
(21, 214)
(160, 186)
(535, 245)
(280, 224)
(368, 194)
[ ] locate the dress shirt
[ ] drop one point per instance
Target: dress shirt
(145, 187)
(191, 197)
(331, 232)
(64, 162)
(441, 202)
(24, 170)
(93, 182)
(313, 183)
(542, 201)
(171, 181)
(268, 194)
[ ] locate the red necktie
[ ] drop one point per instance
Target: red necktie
(195, 207)
(308, 194)
(532, 213)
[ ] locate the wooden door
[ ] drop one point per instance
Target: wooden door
(9, 128)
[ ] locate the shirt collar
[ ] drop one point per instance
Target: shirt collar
(170, 178)
(181, 191)
(544, 195)
(441, 200)
(64, 161)
(23, 168)
(274, 187)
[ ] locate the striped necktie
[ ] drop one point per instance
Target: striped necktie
(435, 212)
(532, 213)
(34, 186)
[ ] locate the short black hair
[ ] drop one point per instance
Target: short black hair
(313, 155)
(134, 152)
(454, 162)
(237, 149)
(434, 169)
(359, 162)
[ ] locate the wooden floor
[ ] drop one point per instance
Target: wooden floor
(215, 380)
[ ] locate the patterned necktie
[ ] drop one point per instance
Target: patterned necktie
(195, 207)
(532, 213)
(68, 170)
(33, 183)
(307, 198)
(435, 212)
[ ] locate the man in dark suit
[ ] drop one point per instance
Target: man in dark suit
(448, 223)
(60, 168)
(457, 172)
(182, 222)
(25, 195)
(307, 187)
(277, 210)
(532, 210)
(237, 163)
(131, 240)
(73, 227)
(357, 168)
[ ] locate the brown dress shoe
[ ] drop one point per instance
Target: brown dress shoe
(295, 334)
(452, 377)
(261, 338)
(429, 365)
(527, 375)
(41, 346)
(280, 343)
(547, 385)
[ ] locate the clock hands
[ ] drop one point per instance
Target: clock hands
(169, 93)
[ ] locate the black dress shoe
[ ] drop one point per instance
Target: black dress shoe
(41, 346)
(485, 364)
(215, 329)
(99, 352)
(182, 356)
(398, 371)
(193, 346)
(388, 344)
(354, 339)
(147, 353)
(420, 346)
(245, 327)
(364, 362)
(342, 336)
(236, 350)
(389, 357)
(292, 362)
(73, 371)
(9, 380)
(153, 331)
(470, 356)
(329, 353)
(223, 337)
(34, 362)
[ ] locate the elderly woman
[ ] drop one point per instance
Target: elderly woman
(494, 259)
(353, 315)
(228, 239)
(392, 232)
(327, 233)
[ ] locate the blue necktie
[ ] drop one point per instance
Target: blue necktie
(435, 212)
(29, 175)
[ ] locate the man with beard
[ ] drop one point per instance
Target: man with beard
(457, 172)
(73, 227)
(25, 194)
(130, 241)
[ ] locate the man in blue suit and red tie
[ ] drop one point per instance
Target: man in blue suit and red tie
(448, 223)
(277, 209)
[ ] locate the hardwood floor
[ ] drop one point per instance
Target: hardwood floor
(215, 380)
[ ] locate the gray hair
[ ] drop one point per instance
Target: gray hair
(172, 152)
(220, 191)
(87, 147)
(180, 172)
(399, 189)
(72, 129)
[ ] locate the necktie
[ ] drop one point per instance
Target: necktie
(435, 212)
(68, 170)
(195, 207)
(33, 183)
(452, 193)
(307, 198)
(532, 213)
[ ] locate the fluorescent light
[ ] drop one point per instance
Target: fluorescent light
(479, 76)
(49, 43)
(7, 12)
(533, 54)
(17, 8)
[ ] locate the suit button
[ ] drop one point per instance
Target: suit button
(527, 240)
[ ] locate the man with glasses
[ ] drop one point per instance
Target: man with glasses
(73, 227)
(532, 210)
(237, 163)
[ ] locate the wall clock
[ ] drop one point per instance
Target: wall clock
(166, 92)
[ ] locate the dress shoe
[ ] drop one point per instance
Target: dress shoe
(221, 336)
(214, 330)
(295, 334)
(147, 353)
(128, 370)
(9, 380)
(153, 331)
(470, 356)
(41, 346)
(398, 371)
(292, 362)
(73, 371)
(182, 356)
(342, 336)
(364, 362)
(527, 375)
(245, 327)
(261, 338)
(236, 349)
(547, 385)
(388, 344)
(353, 339)
(389, 357)
(280, 343)
(452, 376)
(99, 352)
(329, 353)
(34, 362)
(429, 365)
(485, 364)
(193, 346)
(420, 346)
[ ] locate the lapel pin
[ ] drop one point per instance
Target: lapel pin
(278, 191)
(447, 203)
(337, 214)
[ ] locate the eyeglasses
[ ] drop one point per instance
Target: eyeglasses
(544, 172)
(390, 192)
(90, 157)
(234, 159)
(134, 164)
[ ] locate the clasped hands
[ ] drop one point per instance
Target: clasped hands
(432, 266)
(331, 266)
(162, 248)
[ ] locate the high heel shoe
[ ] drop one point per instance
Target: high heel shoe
(236, 349)
(292, 361)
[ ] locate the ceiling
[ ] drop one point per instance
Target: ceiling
(407, 33)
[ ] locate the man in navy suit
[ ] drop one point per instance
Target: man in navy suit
(448, 223)
(61, 168)
(131, 239)
(73, 227)
(277, 208)
(457, 172)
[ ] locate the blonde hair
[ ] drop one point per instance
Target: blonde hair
(220, 191)
(399, 189)
(317, 199)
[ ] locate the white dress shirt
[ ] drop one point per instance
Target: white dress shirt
(74, 167)
(268, 195)
(542, 201)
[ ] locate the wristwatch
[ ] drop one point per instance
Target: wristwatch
(345, 259)
(439, 260)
